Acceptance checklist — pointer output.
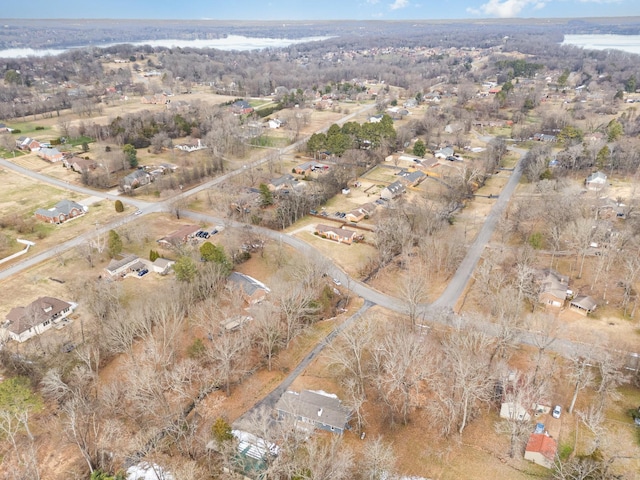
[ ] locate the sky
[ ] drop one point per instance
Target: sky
(319, 10)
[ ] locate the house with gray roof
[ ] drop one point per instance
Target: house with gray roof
(583, 304)
(444, 152)
(285, 182)
(252, 290)
(596, 181)
(411, 179)
(136, 179)
(553, 288)
(314, 409)
(122, 265)
(61, 212)
(392, 191)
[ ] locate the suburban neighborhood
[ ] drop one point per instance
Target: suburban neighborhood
(337, 260)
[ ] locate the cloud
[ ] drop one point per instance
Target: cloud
(398, 4)
(506, 8)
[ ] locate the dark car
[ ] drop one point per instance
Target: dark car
(143, 272)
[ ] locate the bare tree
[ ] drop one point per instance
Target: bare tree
(463, 382)
(327, 459)
(544, 330)
(398, 370)
(295, 303)
(378, 461)
(519, 395)
(268, 331)
(414, 288)
(580, 375)
(228, 354)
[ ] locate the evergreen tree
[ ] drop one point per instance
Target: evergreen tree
(115, 244)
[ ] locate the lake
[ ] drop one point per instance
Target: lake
(230, 42)
(627, 43)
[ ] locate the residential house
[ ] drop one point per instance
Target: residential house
(183, 235)
(541, 449)
(162, 265)
(22, 143)
(136, 179)
(253, 291)
(392, 191)
(314, 409)
(50, 154)
(340, 235)
(122, 265)
(432, 97)
(191, 146)
(452, 128)
(410, 103)
(81, 165)
(35, 145)
(545, 137)
(157, 99)
(596, 181)
(275, 123)
(411, 179)
(284, 183)
(61, 212)
(307, 167)
(376, 118)
(583, 304)
(553, 288)
(241, 107)
(360, 213)
(22, 323)
(444, 152)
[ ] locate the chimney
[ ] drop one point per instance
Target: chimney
(319, 412)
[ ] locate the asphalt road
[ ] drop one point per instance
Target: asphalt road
(459, 281)
(270, 400)
(430, 312)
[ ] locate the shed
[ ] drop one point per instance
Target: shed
(583, 304)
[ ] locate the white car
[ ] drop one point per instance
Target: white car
(557, 410)
(337, 282)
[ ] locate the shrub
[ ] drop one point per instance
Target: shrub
(16, 130)
(119, 206)
(39, 127)
(196, 349)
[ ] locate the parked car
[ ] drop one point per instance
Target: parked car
(143, 272)
(214, 231)
(539, 428)
(337, 282)
(557, 411)
(313, 212)
(138, 212)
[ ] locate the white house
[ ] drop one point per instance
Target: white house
(596, 181)
(22, 323)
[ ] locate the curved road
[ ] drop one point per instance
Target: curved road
(446, 302)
